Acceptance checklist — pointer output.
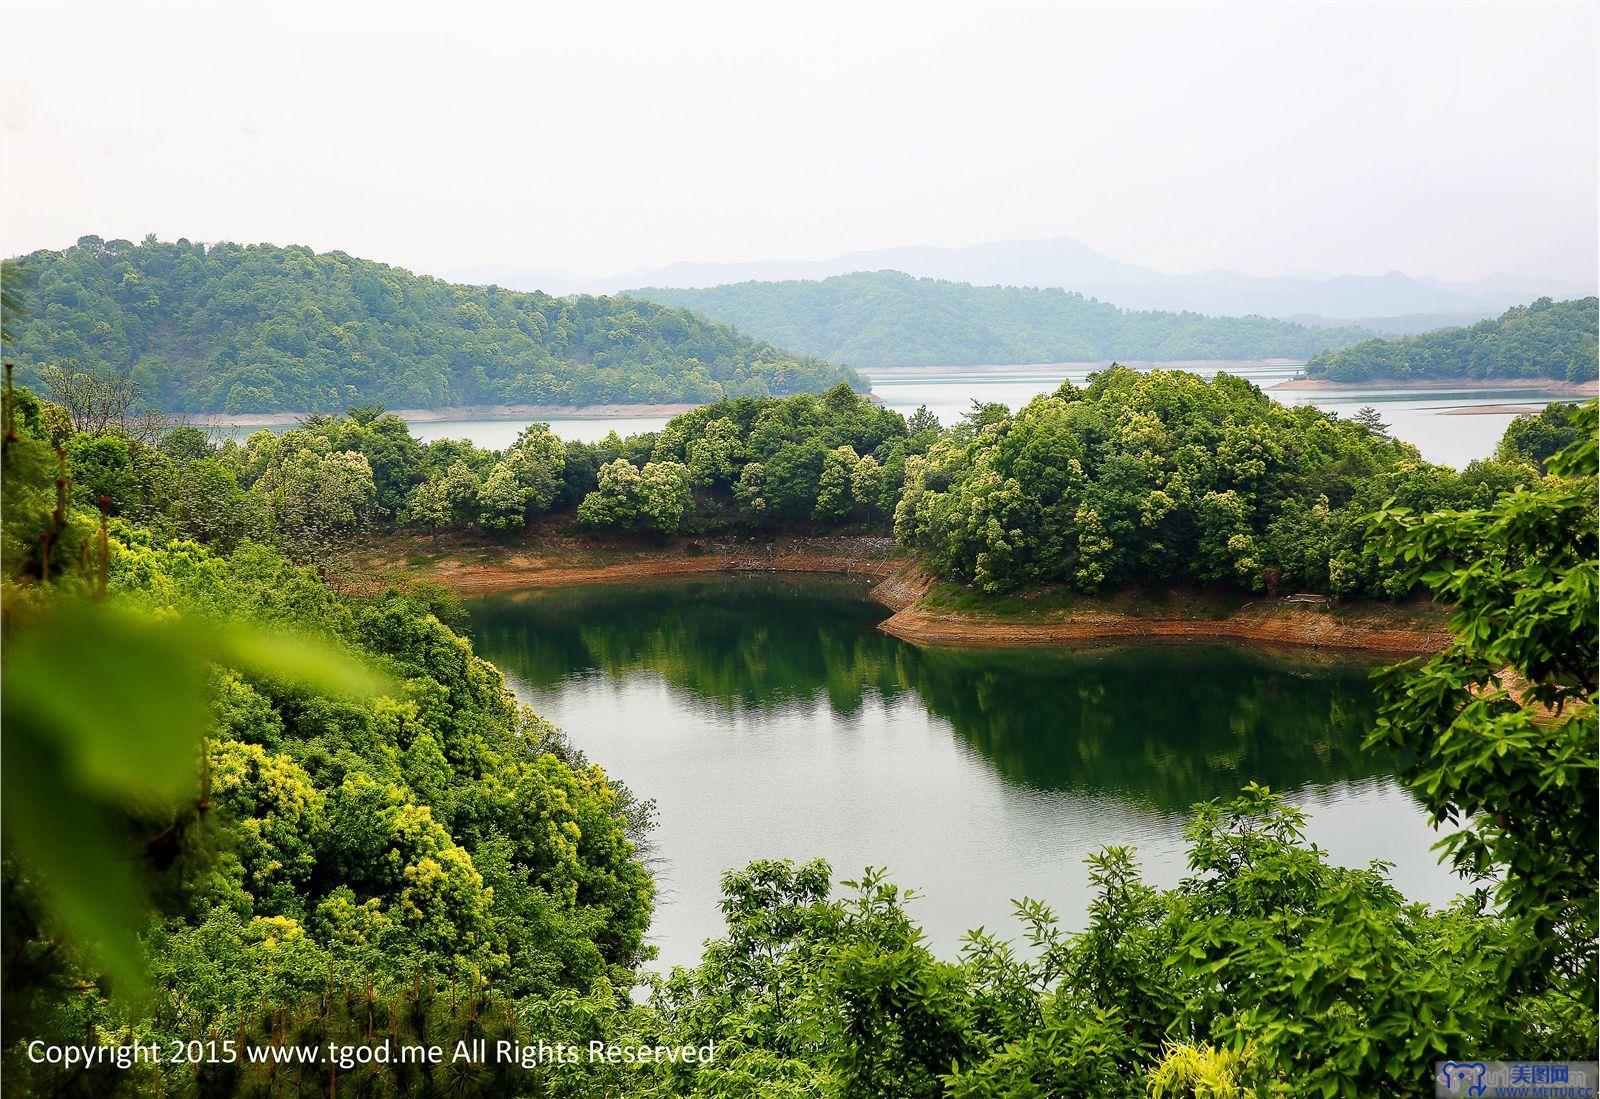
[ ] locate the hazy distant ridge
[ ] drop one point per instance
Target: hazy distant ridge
(887, 319)
(1071, 265)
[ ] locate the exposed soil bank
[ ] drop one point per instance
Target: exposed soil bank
(1554, 385)
(560, 562)
(927, 612)
(1268, 622)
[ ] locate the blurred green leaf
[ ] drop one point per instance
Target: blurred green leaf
(298, 658)
(70, 844)
(122, 695)
(105, 710)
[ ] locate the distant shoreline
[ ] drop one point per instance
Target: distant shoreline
(531, 413)
(1493, 410)
(887, 372)
(1550, 385)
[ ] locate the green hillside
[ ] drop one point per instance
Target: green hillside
(259, 328)
(1548, 339)
(886, 318)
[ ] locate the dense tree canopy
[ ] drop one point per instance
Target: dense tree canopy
(802, 461)
(1547, 339)
(432, 830)
(231, 328)
(1164, 477)
(1502, 724)
(886, 318)
(1138, 479)
(1265, 972)
(1538, 437)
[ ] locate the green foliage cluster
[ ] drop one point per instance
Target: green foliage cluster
(1538, 437)
(172, 718)
(1547, 339)
(805, 460)
(1164, 477)
(1266, 969)
(886, 319)
(1502, 724)
(627, 496)
(232, 328)
(1140, 478)
(315, 489)
(307, 491)
(802, 461)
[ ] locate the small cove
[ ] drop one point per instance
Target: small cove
(768, 717)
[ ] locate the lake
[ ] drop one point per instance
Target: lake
(768, 717)
(1427, 418)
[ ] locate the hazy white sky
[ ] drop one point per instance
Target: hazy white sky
(1440, 138)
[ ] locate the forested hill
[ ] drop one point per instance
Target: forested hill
(886, 318)
(259, 328)
(1548, 339)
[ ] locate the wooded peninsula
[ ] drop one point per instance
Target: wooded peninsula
(1545, 340)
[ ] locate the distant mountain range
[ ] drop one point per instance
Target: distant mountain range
(1382, 303)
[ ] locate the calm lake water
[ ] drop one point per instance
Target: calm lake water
(769, 718)
(1422, 418)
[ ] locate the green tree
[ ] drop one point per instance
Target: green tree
(525, 481)
(538, 459)
(835, 498)
(186, 442)
(655, 497)
(316, 501)
(450, 498)
(501, 502)
(1544, 339)
(1371, 419)
(1165, 478)
(1502, 722)
(1538, 438)
(102, 465)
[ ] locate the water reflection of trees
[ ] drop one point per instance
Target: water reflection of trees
(754, 642)
(1166, 726)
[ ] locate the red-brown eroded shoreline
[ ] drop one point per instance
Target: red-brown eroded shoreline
(903, 588)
